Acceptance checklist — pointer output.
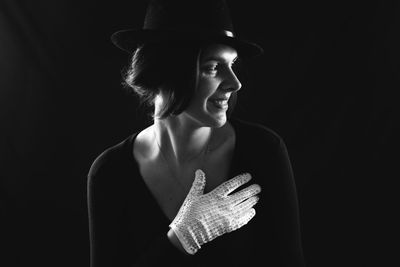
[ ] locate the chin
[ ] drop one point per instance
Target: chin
(213, 120)
(216, 117)
(219, 122)
(209, 119)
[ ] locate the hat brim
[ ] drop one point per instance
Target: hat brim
(129, 40)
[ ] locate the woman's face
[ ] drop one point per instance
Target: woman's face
(215, 85)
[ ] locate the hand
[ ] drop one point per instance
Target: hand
(203, 217)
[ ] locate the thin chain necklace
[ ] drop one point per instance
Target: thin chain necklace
(204, 151)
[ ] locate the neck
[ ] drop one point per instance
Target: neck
(181, 140)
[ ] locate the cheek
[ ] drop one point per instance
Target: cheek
(206, 88)
(198, 102)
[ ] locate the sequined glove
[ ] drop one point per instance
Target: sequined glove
(203, 217)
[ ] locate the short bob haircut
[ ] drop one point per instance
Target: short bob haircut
(168, 68)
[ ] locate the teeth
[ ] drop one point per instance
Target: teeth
(221, 102)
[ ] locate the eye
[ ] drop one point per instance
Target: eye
(210, 69)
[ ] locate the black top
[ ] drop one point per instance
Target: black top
(128, 228)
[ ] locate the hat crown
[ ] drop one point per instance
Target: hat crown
(185, 20)
(188, 15)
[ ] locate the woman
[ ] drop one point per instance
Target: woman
(178, 193)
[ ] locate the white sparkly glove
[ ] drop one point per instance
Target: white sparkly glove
(203, 217)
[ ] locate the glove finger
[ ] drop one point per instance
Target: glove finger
(244, 207)
(227, 187)
(243, 219)
(244, 194)
(198, 184)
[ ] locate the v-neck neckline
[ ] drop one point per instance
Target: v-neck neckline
(149, 198)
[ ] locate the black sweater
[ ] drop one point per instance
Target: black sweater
(128, 228)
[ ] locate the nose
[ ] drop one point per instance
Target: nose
(231, 82)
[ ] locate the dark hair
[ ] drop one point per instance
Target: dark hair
(170, 68)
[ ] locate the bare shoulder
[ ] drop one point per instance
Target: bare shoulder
(142, 146)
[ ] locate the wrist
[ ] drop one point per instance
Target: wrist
(179, 240)
(175, 241)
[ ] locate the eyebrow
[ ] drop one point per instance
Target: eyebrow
(219, 59)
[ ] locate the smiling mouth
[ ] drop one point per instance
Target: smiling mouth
(220, 103)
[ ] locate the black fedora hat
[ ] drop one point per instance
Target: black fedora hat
(185, 20)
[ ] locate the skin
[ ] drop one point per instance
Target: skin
(183, 137)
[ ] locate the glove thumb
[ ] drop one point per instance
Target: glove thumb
(198, 184)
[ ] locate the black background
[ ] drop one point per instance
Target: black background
(327, 84)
